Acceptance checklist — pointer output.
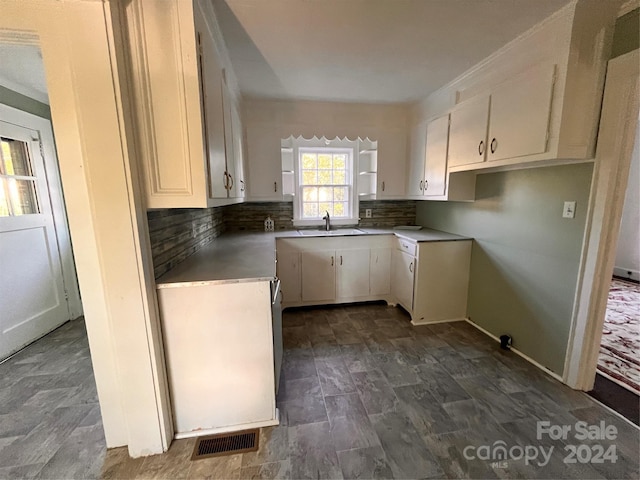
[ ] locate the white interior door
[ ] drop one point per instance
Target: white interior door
(32, 290)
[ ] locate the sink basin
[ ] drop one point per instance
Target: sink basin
(333, 233)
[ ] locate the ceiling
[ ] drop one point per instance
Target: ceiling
(22, 70)
(376, 51)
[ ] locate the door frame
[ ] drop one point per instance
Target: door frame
(616, 140)
(56, 198)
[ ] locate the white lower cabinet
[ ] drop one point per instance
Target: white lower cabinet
(204, 327)
(288, 267)
(352, 273)
(380, 271)
(440, 275)
(403, 275)
(318, 276)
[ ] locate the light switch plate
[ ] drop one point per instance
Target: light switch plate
(569, 210)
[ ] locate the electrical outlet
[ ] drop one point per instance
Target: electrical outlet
(569, 210)
(367, 213)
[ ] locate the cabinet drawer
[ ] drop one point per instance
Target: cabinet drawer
(406, 246)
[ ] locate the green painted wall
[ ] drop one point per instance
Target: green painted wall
(525, 258)
(626, 37)
(26, 104)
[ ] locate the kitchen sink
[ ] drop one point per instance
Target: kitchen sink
(333, 233)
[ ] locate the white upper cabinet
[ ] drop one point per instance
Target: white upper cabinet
(392, 153)
(176, 79)
(534, 102)
(265, 163)
(520, 112)
(435, 158)
(468, 133)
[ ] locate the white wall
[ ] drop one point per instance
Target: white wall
(628, 253)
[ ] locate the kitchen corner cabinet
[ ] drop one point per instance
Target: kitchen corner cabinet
(431, 279)
(177, 85)
(428, 177)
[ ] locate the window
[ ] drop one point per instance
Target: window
(17, 182)
(325, 183)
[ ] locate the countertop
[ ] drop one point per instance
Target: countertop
(251, 256)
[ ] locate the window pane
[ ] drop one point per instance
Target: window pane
(324, 160)
(15, 156)
(324, 177)
(339, 177)
(4, 205)
(309, 177)
(23, 196)
(340, 162)
(340, 209)
(310, 194)
(340, 194)
(325, 194)
(309, 160)
(325, 207)
(310, 210)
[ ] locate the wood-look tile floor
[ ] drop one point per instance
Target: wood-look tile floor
(363, 394)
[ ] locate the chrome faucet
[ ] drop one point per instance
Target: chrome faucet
(327, 221)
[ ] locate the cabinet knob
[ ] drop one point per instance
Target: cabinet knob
(494, 145)
(481, 148)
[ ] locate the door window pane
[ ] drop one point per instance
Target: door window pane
(15, 158)
(22, 194)
(4, 204)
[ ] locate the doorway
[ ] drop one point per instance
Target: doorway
(38, 284)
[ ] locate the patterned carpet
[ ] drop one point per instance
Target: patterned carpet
(620, 347)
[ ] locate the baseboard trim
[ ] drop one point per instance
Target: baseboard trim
(229, 429)
(449, 320)
(626, 274)
(518, 352)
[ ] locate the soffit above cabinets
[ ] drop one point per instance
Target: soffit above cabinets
(370, 51)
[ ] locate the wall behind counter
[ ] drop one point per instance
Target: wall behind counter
(525, 257)
(180, 232)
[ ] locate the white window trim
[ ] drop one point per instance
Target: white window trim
(316, 145)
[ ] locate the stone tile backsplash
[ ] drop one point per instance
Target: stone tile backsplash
(178, 233)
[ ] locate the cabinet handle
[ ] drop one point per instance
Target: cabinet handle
(481, 148)
(275, 186)
(340, 259)
(242, 185)
(231, 178)
(421, 184)
(411, 267)
(225, 176)
(426, 185)
(494, 145)
(332, 260)
(383, 186)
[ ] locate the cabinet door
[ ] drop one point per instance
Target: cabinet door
(288, 271)
(352, 273)
(380, 271)
(211, 92)
(392, 164)
(415, 178)
(520, 112)
(237, 183)
(403, 266)
(436, 156)
(265, 162)
(318, 276)
(468, 132)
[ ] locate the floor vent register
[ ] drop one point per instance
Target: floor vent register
(226, 444)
